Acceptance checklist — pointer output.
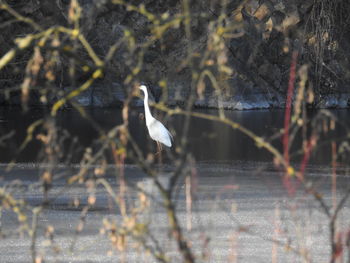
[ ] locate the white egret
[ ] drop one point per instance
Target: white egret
(156, 129)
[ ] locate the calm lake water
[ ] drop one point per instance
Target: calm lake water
(209, 141)
(236, 187)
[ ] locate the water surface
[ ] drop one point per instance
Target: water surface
(209, 141)
(240, 202)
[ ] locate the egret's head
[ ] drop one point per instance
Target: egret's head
(143, 88)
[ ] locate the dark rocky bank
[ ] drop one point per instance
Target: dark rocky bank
(250, 61)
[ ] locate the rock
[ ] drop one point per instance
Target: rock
(257, 51)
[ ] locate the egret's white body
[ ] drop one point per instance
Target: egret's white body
(156, 129)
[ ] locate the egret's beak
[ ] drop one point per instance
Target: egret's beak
(136, 92)
(139, 93)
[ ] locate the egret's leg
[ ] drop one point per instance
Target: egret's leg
(159, 148)
(159, 153)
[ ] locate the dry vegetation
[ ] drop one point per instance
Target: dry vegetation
(53, 52)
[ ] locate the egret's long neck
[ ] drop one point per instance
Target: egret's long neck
(147, 110)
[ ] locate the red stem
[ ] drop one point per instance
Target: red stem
(289, 106)
(310, 144)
